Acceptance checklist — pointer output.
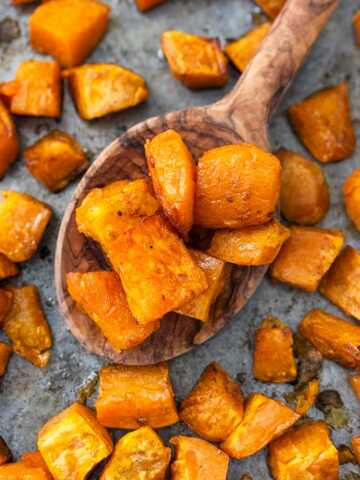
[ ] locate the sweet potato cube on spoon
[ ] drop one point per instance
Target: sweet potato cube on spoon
(9, 143)
(5, 353)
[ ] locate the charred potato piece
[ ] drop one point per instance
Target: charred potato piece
(5, 453)
(68, 30)
(355, 384)
(7, 267)
(356, 23)
(9, 143)
(351, 194)
(306, 256)
(5, 352)
(323, 124)
(144, 5)
(130, 397)
(355, 443)
(6, 299)
(197, 62)
(17, 471)
(272, 8)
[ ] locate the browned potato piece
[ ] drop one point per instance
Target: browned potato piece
(103, 88)
(356, 23)
(323, 124)
(198, 62)
(271, 7)
(304, 193)
(6, 299)
(351, 193)
(305, 452)
(144, 5)
(5, 453)
(9, 143)
(5, 352)
(354, 381)
(335, 338)
(7, 267)
(242, 51)
(257, 245)
(306, 256)
(215, 406)
(247, 193)
(21, 2)
(306, 396)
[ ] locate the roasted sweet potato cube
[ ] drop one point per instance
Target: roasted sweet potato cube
(5, 453)
(304, 193)
(144, 5)
(73, 442)
(27, 327)
(55, 159)
(351, 194)
(36, 90)
(242, 51)
(247, 193)
(264, 419)
(354, 381)
(215, 406)
(6, 299)
(306, 256)
(5, 352)
(130, 397)
(69, 30)
(323, 124)
(7, 267)
(197, 458)
(17, 471)
(355, 443)
(9, 143)
(138, 455)
(108, 308)
(198, 62)
(172, 171)
(271, 7)
(356, 23)
(273, 357)
(35, 459)
(103, 88)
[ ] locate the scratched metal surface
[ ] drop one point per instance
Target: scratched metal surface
(29, 396)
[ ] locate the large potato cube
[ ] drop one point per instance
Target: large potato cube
(9, 143)
(272, 8)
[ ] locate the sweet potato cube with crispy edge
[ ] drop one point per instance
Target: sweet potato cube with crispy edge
(354, 381)
(273, 357)
(144, 5)
(7, 267)
(27, 327)
(55, 159)
(108, 308)
(73, 442)
(355, 443)
(130, 397)
(138, 455)
(323, 124)
(36, 90)
(264, 419)
(100, 89)
(272, 8)
(304, 193)
(198, 62)
(215, 406)
(5, 352)
(356, 23)
(6, 299)
(9, 143)
(198, 459)
(306, 256)
(5, 454)
(242, 51)
(351, 194)
(23, 220)
(68, 30)
(172, 171)
(17, 471)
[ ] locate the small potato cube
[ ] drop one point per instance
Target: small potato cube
(355, 384)
(27, 327)
(306, 396)
(144, 5)
(264, 419)
(271, 7)
(55, 159)
(198, 459)
(273, 357)
(100, 89)
(341, 284)
(35, 459)
(258, 245)
(6, 299)
(351, 193)
(36, 90)
(17, 471)
(247, 193)
(306, 256)
(138, 455)
(68, 30)
(173, 171)
(73, 442)
(5, 453)
(304, 194)
(323, 124)
(5, 352)
(23, 220)
(7, 267)
(356, 23)
(101, 296)
(355, 443)
(305, 452)
(215, 406)
(9, 143)
(197, 62)
(242, 51)
(130, 397)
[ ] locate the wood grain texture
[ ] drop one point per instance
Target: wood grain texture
(242, 116)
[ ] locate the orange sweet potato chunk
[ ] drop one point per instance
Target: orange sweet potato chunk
(17, 471)
(304, 452)
(335, 338)
(198, 459)
(306, 256)
(138, 455)
(323, 124)
(355, 443)
(356, 23)
(198, 62)
(73, 442)
(264, 419)
(21, 2)
(5, 352)
(101, 296)
(354, 381)
(23, 220)
(69, 30)
(351, 194)
(144, 5)
(103, 88)
(35, 459)
(7, 267)
(55, 159)
(247, 193)
(9, 143)
(172, 171)
(272, 8)
(6, 299)
(130, 397)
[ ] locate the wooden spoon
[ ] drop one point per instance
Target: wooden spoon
(242, 116)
